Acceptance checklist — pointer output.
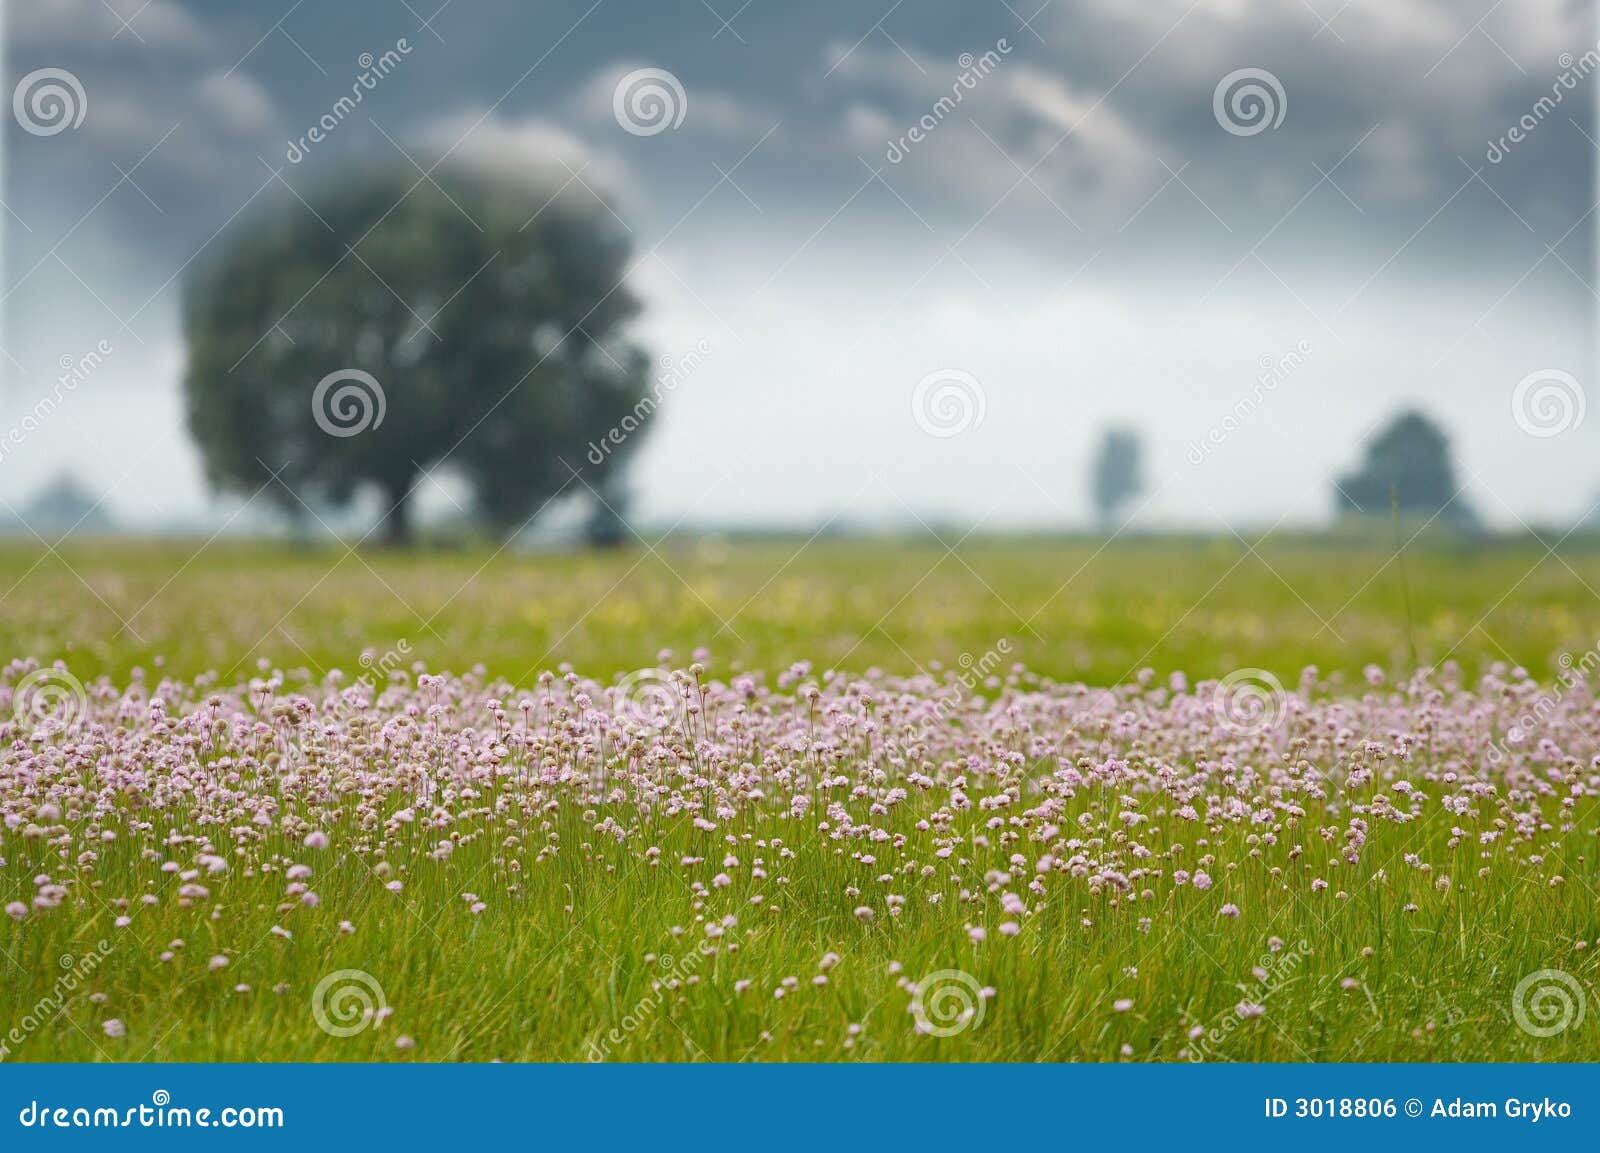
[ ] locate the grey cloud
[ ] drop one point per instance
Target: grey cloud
(162, 24)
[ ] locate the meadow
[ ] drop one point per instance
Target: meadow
(770, 800)
(1072, 609)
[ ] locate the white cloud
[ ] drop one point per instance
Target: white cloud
(867, 126)
(1113, 145)
(238, 102)
(1075, 146)
(53, 23)
(531, 151)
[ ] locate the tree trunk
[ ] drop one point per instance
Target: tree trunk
(395, 530)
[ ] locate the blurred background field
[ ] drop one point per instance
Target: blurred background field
(1072, 608)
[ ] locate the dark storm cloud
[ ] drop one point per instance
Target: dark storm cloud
(1102, 97)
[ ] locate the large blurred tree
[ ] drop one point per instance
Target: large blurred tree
(1408, 463)
(489, 315)
(1115, 476)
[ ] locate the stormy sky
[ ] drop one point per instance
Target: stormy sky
(927, 250)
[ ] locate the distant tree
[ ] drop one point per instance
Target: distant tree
(1410, 459)
(66, 505)
(606, 526)
(391, 324)
(1115, 478)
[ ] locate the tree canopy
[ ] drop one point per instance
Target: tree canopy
(1409, 462)
(393, 324)
(1115, 475)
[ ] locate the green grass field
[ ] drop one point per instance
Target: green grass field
(1077, 609)
(575, 955)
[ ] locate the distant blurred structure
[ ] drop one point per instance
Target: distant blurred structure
(1407, 465)
(65, 506)
(1116, 475)
(387, 328)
